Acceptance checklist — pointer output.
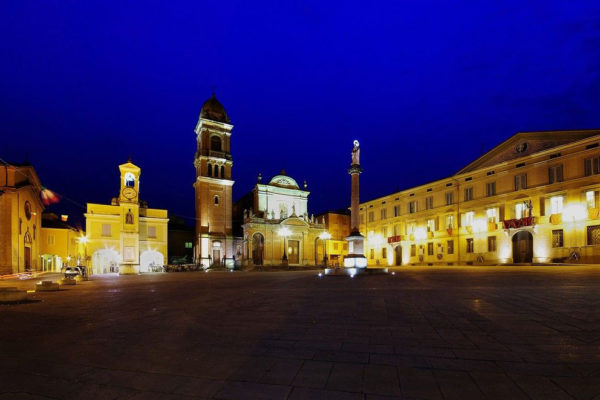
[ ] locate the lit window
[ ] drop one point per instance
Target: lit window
(449, 221)
(590, 199)
(469, 217)
(556, 204)
(557, 238)
(430, 225)
(492, 215)
(521, 210)
(188, 245)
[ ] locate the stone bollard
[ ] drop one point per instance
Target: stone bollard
(46, 286)
(12, 295)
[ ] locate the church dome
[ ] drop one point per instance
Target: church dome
(214, 110)
(284, 181)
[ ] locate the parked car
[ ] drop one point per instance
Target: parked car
(72, 272)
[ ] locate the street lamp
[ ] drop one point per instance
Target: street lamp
(285, 232)
(325, 236)
(84, 240)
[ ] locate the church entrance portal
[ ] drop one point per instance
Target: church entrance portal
(293, 252)
(258, 245)
(522, 243)
(398, 255)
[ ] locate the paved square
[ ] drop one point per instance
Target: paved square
(423, 333)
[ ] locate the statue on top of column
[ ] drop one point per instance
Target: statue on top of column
(356, 153)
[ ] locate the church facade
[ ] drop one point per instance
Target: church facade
(126, 237)
(276, 226)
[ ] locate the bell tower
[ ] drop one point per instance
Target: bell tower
(213, 186)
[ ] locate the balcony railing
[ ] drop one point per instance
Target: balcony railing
(517, 222)
(214, 153)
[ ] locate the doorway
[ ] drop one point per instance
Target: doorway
(522, 243)
(27, 258)
(258, 245)
(293, 252)
(398, 255)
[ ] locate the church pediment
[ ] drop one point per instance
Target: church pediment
(293, 221)
(526, 143)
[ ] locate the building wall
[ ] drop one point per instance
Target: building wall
(17, 231)
(60, 247)
(385, 231)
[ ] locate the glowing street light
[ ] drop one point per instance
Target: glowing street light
(285, 232)
(325, 236)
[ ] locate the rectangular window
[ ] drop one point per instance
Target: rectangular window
(468, 193)
(450, 221)
(412, 207)
(449, 198)
(413, 250)
(372, 254)
(593, 235)
(362, 218)
(555, 174)
(450, 246)
(590, 199)
(371, 216)
(557, 238)
(105, 229)
(429, 203)
(384, 231)
(384, 253)
(152, 232)
(430, 225)
(490, 189)
(469, 245)
(592, 166)
(521, 210)
(520, 181)
(429, 249)
(469, 218)
(556, 204)
(491, 244)
(397, 230)
(410, 228)
(188, 245)
(50, 240)
(492, 215)
(383, 213)
(396, 211)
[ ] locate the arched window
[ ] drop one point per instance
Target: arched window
(209, 170)
(216, 171)
(129, 179)
(215, 143)
(222, 172)
(216, 200)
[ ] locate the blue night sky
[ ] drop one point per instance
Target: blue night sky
(425, 86)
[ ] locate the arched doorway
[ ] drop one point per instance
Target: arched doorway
(398, 255)
(522, 244)
(105, 261)
(151, 261)
(258, 247)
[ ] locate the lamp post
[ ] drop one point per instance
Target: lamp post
(325, 236)
(285, 232)
(84, 240)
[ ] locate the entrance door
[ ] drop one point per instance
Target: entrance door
(398, 255)
(216, 257)
(522, 243)
(293, 252)
(27, 256)
(258, 243)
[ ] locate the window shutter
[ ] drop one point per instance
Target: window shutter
(551, 175)
(588, 166)
(596, 165)
(524, 183)
(559, 173)
(501, 213)
(516, 182)
(437, 223)
(542, 206)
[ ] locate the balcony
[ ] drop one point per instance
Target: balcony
(395, 239)
(214, 153)
(517, 223)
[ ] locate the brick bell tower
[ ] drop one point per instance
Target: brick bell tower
(213, 186)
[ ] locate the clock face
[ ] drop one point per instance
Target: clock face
(129, 193)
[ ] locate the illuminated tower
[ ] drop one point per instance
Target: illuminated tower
(355, 257)
(213, 186)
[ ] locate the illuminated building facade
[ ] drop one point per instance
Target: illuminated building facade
(337, 223)
(126, 236)
(20, 219)
(533, 198)
(276, 226)
(213, 186)
(60, 244)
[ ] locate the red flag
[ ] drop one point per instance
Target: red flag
(48, 197)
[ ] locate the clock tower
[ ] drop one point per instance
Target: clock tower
(129, 203)
(213, 186)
